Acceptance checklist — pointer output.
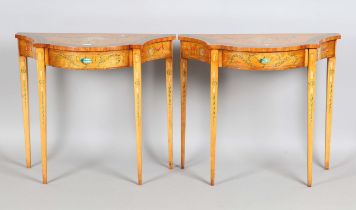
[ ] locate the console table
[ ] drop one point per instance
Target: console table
(93, 52)
(260, 52)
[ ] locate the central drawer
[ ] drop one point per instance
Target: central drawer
(264, 61)
(88, 60)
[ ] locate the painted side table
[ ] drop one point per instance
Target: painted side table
(260, 52)
(93, 52)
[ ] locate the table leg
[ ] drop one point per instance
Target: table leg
(311, 94)
(183, 99)
(41, 72)
(329, 108)
(25, 107)
(138, 114)
(169, 93)
(213, 109)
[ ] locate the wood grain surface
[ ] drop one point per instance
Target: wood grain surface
(92, 42)
(260, 42)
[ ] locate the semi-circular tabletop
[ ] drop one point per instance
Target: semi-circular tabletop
(260, 42)
(92, 42)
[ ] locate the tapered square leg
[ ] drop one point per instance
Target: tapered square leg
(41, 73)
(213, 109)
(138, 114)
(169, 93)
(311, 94)
(329, 108)
(25, 107)
(183, 99)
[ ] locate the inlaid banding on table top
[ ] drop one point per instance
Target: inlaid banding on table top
(260, 42)
(92, 42)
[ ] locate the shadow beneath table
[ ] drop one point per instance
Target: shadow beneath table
(350, 172)
(191, 174)
(19, 166)
(236, 177)
(155, 178)
(288, 174)
(96, 165)
(318, 159)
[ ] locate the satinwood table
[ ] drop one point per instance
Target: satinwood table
(260, 52)
(92, 52)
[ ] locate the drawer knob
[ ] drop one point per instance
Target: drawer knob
(264, 60)
(86, 60)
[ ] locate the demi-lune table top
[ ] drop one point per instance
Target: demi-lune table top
(92, 42)
(261, 42)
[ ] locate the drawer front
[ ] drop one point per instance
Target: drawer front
(156, 51)
(196, 51)
(264, 61)
(88, 60)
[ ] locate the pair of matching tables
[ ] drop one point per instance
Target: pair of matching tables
(112, 51)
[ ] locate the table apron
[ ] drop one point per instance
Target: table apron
(88, 60)
(155, 51)
(264, 60)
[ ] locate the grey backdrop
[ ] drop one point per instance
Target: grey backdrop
(261, 131)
